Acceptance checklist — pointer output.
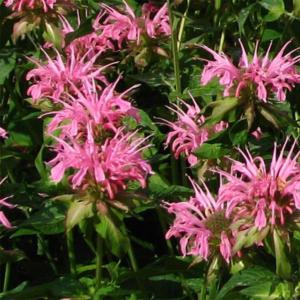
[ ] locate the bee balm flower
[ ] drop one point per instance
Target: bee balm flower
(266, 75)
(267, 194)
(201, 225)
(187, 133)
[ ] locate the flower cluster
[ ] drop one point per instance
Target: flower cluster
(187, 133)
(253, 196)
(88, 117)
(58, 76)
(266, 75)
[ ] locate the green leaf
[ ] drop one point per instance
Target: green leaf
(283, 267)
(53, 35)
(49, 220)
(270, 35)
(248, 277)
(39, 164)
(238, 133)
(221, 108)
(78, 211)
(159, 189)
(59, 288)
(211, 151)
(7, 64)
(243, 16)
(275, 7)
(116, 241)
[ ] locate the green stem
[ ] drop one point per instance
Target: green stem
(222, 40)
(182, 25)
(71, 252)
(47, 253)
(132, 258)
(99, 260)
(174, 51)
(6, 276)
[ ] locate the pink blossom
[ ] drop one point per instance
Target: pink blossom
(269, 195)
(3, 220)
(187, 133)
(3, 133)
(53, 79)
(125, 26)
(267, 75)
(118, 26)
(20, 5)
(201, 225)
(111, 164)
(90, 112)
(156, 20)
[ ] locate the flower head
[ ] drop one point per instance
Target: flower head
(269, 195)
(187, 132)
(90, 112)
(118, 26)
(201, 225)
(111, 165)
(156, 20)
(54, 78)
(266, 75)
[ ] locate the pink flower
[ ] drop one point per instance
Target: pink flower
(3, 220)
(156, 20)
(125, 26)
(110, 165)
(118, 26)
(20, 5)
(53, 79)
(3, 133)
(269, 195)
(91, 111)
(267, 75)
(187, 133)
(201, 225)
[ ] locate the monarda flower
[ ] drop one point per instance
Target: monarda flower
(156, 20)
(187, 133)
(201, 225)
(109, 166)
(263, 74)
(91, 112)
(269, 195)
(55, 77)
(3, 220)
(19, 5)
(125, 26)
(118, 26)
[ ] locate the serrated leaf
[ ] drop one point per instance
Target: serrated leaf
(78, 211)
(248, 277)
(238, 133)
(211, 151)
(116, 241)
(283, 267)
(276, 9)
(221, 108)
